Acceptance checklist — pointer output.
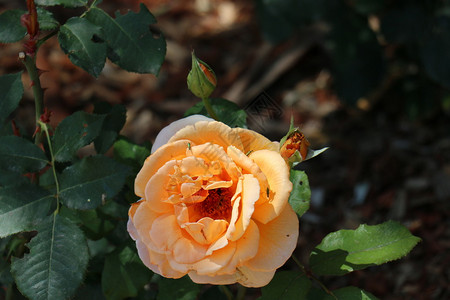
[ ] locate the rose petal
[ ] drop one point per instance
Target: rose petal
(250, 194)
(254, 279)
(187, 251)
(277, 241)
(206, 230)
(165, 231)
(213, 263)
(246, 248)
(155, 192)
(209, 132)
(167, 132)
(277, 173)
(155, 161)
(253, 141)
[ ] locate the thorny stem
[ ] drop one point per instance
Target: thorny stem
(209, 108)
(312, 276)
(38, 92)
(226, 291)
(50, 148)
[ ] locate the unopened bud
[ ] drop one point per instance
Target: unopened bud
(201, 79)
(296, 146)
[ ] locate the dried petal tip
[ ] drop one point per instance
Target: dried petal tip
(201, 79)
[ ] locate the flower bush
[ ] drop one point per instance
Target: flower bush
(219, 202)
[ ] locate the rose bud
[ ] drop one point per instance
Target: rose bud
(201, 79)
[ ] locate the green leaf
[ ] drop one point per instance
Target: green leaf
(129, 153)
(66, 3)
(347, 293)
(131, 43)
(79, 40)
(20, 155)
(227, 112)
(287, 285)
(8, 178)
(46, 19)
(301, 193)
(74, 132)
(124, 274)
(90, 181)
(12, 91)
(22, 207)
(345, 251)
(95, 225)
(11, 30)
(113, 123)
(57, 260)
(180, 289)
(352, 293)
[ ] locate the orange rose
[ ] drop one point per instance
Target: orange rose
(214, 205)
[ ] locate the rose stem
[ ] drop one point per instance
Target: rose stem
(209, 108)
(50, 148)
(38, 92)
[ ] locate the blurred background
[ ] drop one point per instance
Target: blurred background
(368, 78)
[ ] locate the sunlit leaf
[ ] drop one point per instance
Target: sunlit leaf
(56, 263)
(79, 40)
(12, 90)
(90, 181)
(129, 153)
(301, 192)
(131, 43)
(345, 251)
(22, 207)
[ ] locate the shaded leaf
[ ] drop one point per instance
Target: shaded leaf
(8, 178)
(114, 120)
(227, 112)
(124, 274)
(131, 43)
(57, 260)
(129, 153)
(46, 19)
(11, 30)
(90, 181)
(77, 39)
(181, 289)
(301, 193)
(22, 207)
(345, 251)
(74, 132)
(12, 91)
(353, 293)
(20, 155)
(66, 3)
(288, 285)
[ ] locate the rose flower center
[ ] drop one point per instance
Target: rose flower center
(217, 205)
